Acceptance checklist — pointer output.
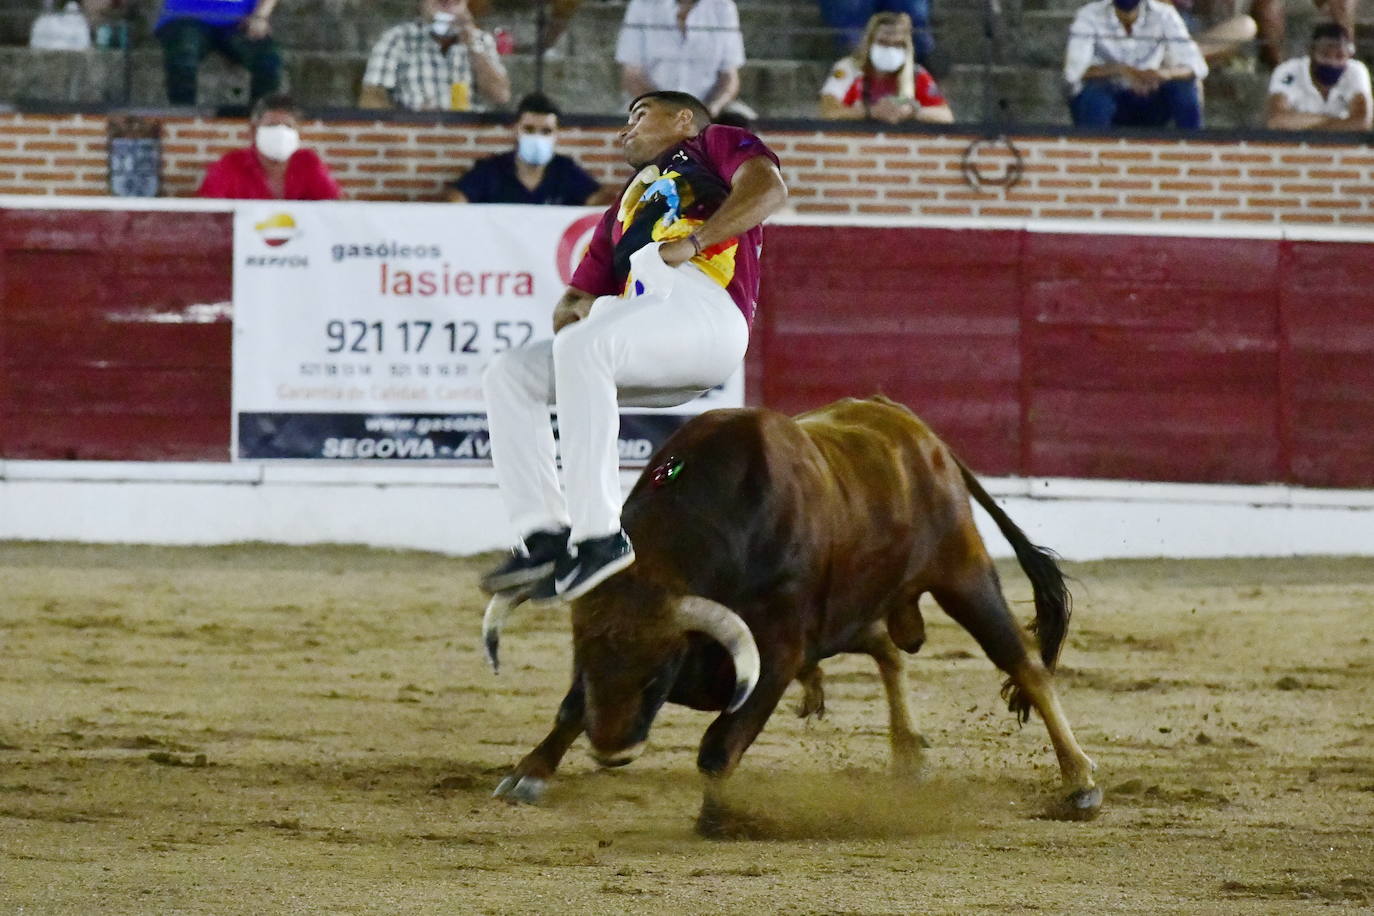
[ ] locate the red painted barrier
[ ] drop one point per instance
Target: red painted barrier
(109, 344)
(1074, 355)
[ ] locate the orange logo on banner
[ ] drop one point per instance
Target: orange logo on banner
(277, 229)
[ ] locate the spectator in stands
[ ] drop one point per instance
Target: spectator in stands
(1131, 63)
(239, 29)
(882, 80)
(1326, 90)
(65, 31)
(440, 61)
(532, 173)
(849, 19)
(274, 167)
(691, 46)
(1269, 14)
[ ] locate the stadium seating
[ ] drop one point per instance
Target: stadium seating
(326, 44)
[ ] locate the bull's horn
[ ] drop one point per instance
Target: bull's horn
(495, 616)
(725, 627)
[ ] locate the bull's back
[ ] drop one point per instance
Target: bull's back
(838, 505)
(905, 508)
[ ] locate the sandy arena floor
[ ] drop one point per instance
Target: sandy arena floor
(278, 730)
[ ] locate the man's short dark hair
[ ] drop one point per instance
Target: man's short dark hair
(276, 101)
(678, 101)
(1330, 30)
(537, 103)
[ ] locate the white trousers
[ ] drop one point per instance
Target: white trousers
(682, 335)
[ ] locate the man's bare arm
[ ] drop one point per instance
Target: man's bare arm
(757, 191)
(573, 307)
(635, 82)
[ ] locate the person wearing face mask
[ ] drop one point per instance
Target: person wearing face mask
(1326, 90)
(532, 173)
(275, 166)
(1132, 63)
(439, 62)
(239, 29)
(881, 79)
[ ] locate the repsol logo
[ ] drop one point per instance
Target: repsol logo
(276, 260)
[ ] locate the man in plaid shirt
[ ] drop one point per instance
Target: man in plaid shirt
(438, 62)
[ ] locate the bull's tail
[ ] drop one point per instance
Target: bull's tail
(1053, 603)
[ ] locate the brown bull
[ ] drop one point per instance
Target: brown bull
(765, 544)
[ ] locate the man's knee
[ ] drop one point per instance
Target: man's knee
(580, 343)
(1183, 102)
(1094, 106)
(524, 371)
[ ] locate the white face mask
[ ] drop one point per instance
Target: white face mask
(442, 23)
(277, 141)
(534, 149)
(886, 58)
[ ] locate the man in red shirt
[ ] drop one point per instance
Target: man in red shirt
(662, 300)
(274, 167)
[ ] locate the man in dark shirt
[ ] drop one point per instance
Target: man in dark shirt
(532, 173)
(662, 301)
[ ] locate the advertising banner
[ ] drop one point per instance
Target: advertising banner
(361, 330)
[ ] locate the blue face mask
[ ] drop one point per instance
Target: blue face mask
(1126, 6)
(535, 149)
(1328, 74)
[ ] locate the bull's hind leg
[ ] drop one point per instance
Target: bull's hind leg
(529, 779)
(906, 741)
(813, 693)
(975, 601)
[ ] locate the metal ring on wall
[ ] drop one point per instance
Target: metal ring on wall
(975, 177)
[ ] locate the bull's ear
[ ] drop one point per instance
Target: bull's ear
(717, 621)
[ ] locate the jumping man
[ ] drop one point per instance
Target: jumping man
(662, 300)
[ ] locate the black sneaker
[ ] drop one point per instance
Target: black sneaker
(589, 563)
(530, 562)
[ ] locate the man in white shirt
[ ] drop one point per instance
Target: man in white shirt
(1326, 90)
(1133, 63)
(691, 46)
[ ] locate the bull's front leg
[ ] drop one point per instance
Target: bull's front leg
(725, 741)
(527, 782)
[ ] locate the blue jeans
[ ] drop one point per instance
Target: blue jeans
(848, 18)
(185, 42)
(1103, 103)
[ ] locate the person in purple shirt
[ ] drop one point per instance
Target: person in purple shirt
(661, 302)
(241, 30)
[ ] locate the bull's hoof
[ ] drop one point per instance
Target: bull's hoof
(717, 822)
(1079, 805)
(517, 789)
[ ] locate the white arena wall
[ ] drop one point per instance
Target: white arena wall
(457, 511)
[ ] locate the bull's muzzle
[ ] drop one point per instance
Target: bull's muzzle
(618, 758)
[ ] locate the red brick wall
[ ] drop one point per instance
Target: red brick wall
(829, 173)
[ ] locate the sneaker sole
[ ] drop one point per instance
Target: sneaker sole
(601, 575)
(516, 578)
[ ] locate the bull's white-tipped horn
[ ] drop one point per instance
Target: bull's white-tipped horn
(725, 627)
(495, 616)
